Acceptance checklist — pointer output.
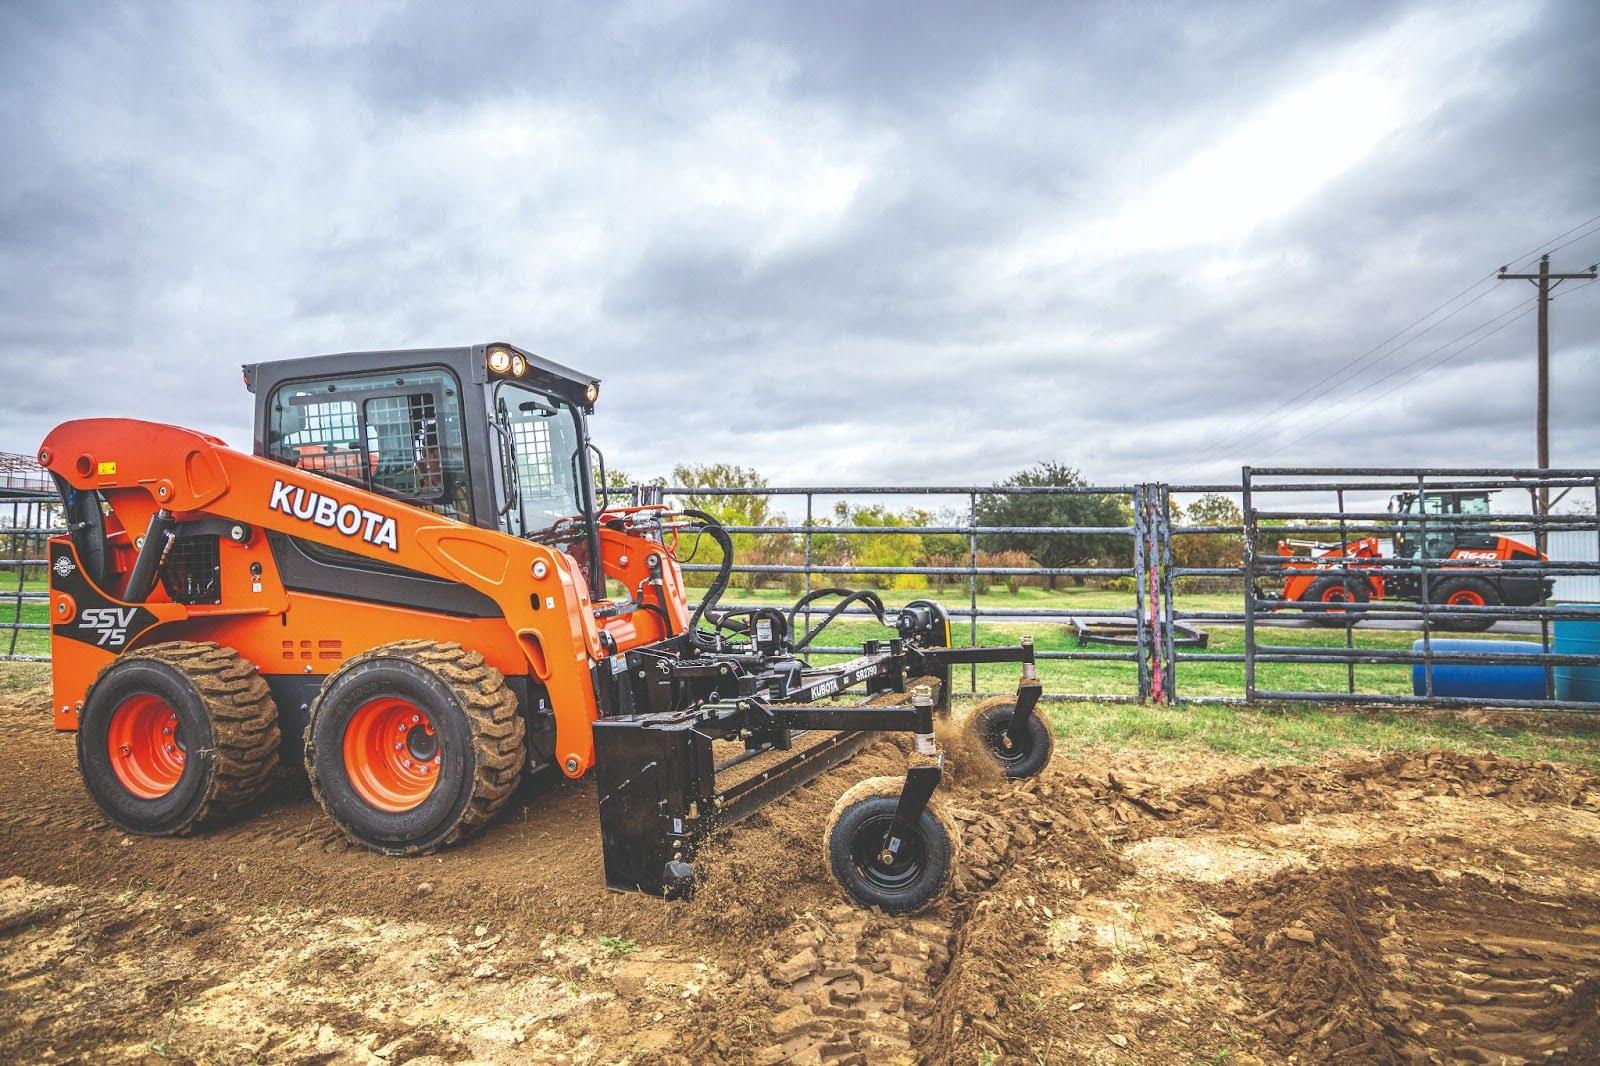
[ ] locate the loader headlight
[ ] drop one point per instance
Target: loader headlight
(519, 365)
(592, 393)
(499, 360)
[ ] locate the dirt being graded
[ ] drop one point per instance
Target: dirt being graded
(1418, 907)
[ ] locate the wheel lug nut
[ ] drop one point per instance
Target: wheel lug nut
(398, 746)
(416, 718)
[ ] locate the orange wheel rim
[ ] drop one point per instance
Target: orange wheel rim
(146, 746)
(391, 753)
(1465, 598)
(1336, 594)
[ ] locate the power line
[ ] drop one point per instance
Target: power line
(1545, 247)
(1346, 372)
(1524, 313)
(1240, 433)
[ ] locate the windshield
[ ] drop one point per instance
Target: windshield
(543, 438)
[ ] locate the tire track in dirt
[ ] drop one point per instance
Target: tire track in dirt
(1392, 964)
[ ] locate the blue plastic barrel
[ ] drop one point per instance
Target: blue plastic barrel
(1481, 681)
(1577, 636)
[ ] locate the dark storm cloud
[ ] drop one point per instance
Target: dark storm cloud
(816, 238)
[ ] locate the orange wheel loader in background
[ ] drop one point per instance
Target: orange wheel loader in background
(411, 586)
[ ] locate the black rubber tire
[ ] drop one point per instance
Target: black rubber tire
(1490, 595)
(480, 739)
(988, 734)
(1323, 615)
(227, 719)
(857, 824)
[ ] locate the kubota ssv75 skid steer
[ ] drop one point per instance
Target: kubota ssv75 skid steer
(411, 585)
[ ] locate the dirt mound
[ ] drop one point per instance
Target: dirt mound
(1398, 965)
(1128, 806)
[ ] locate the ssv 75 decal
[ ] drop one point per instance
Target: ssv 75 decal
(329, 513)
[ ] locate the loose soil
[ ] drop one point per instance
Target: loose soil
(1124, 907)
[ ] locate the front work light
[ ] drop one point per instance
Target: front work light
(499, 360)
(519, 365)
(592, 393)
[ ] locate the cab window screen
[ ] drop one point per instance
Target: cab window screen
(400, 435)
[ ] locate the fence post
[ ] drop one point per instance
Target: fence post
(972, 581)
(1163, 530)
(1249, 519)
(1426, 596)
(809, 499)
(1141, 627)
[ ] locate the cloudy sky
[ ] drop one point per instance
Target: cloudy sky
(867, 243)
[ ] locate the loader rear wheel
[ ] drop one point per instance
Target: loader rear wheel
(988, 728)
(413, 745)
(1466, 592)
(1336, 601)
(176, 735)
(911, 880)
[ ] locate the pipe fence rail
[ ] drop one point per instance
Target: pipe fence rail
(29, 517)
(1148, 568)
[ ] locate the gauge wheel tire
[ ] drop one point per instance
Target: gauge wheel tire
(987, 733)
(413, 745)
(1466, 592)
(1336, 601)
(855, 832)
(176, 736)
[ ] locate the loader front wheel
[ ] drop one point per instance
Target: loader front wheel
(176, 735)
(906, 882)
(413, 745)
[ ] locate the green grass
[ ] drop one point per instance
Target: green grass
(1194, 678)
(1302, 733)
(28, 641)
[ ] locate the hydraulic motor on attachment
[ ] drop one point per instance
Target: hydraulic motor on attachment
(417, 586)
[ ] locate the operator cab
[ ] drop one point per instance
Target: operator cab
(487, 434)
(1443, 538)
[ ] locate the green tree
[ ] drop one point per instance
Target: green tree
(1045, 509)
(884, 549)
(753, 508)
(1208, 549)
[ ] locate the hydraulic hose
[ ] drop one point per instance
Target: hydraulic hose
(724, 573)
(871, 599)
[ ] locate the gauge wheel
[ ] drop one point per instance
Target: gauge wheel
(176, 736)
(413, 745)
(986, 729)
(909, 881)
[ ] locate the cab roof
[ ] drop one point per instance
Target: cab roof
(470, 361)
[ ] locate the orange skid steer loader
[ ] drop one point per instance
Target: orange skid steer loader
(412, 586)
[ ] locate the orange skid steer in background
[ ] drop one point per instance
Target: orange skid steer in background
(1335, 582)
(412, 586)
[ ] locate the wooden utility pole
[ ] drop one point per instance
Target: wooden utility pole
(1545, 281)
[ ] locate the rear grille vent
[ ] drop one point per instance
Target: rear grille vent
(192, 572)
